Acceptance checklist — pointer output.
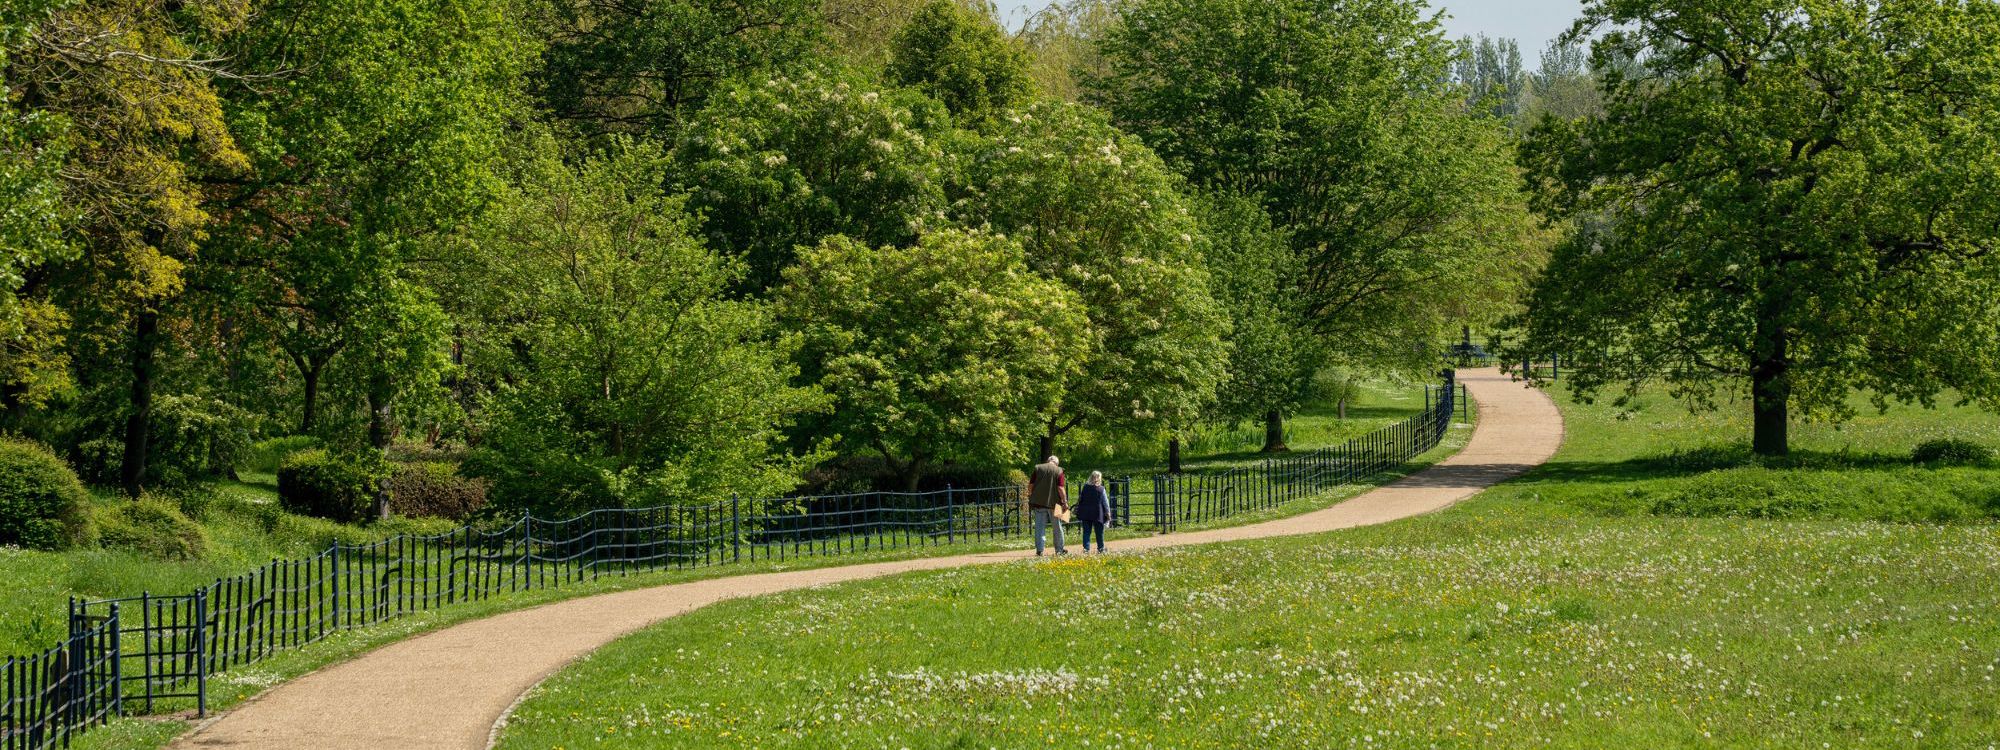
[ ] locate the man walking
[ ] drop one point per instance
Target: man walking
(1046, 493)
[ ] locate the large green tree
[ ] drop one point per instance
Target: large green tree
(1098, 211)
(1796, 197)
(1341, 119)
(641, 67)
(626, 375)
(776, 164)
(963, 60)
(1273, 354)
(945, 351)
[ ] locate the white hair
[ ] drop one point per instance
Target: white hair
(1052, 459)
(1096, 477)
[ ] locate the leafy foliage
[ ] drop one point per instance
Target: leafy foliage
(1340, 119)
(630, 378)
(1948, 451)
(961, 60)
(946, 351)
(1097, 211)
(196, 437)
(434, 490)
(41, 501)
(1781, 195)
(781, 163)
(152, 527)
(1273, 355)
(323, 484)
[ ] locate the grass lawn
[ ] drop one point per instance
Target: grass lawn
(1646, 589)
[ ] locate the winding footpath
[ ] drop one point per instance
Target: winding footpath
(450, 688)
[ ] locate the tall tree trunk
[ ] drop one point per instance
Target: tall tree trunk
(380, 411)
(139, 422)
(309, 371)
(1340, 409)
(1274, 432)
(1770, 392)
(1173, 455)
(1048, 448)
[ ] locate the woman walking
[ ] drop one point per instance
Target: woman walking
(1093, 510)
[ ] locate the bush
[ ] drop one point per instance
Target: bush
(196, 437)
(155, 528)
(265, 456)
(322, 485)
(434, 490)
(41, 501)
(1950, 452)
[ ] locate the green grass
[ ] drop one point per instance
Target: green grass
(1551, 612)
(1379, 403)
(244, 528)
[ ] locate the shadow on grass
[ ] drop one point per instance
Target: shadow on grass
(1688, 463)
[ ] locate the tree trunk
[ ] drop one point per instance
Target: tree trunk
(1770, 395)
(1173, 455)
(139, 423)
(1274, 432)
(1340, 409)
(379, 414)
(1048, 448)
(309, 372)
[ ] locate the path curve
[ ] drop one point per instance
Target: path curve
(449, 688)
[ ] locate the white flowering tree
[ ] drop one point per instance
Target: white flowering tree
(932, 352)
(1097, 211)
(781, 163)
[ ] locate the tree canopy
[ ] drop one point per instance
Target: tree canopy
(1789, 196)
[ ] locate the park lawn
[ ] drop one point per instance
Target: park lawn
(1573, 608)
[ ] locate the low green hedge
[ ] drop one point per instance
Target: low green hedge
(42, 504)
(325, 485)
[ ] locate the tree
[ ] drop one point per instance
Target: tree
(632, 380)
(1490, 70)
(1341, 120)
(383, 134)
(962, 60)
(135, 84)
(1564, 86)
(1789, 195)
(1097, 211)
(640, 67)
(33, 364)
(947, 351)
(782, 163)
(1273, 353)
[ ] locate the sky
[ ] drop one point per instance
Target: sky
(1531, 22)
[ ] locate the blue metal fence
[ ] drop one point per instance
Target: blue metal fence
(143, 652)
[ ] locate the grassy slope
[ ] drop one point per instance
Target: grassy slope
(244, 530)
(1558, 611)
(1380, 404)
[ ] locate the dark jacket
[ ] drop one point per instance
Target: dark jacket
(1045, 487)
(1094, 506)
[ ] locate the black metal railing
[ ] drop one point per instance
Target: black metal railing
(162, 650)
(50, 697)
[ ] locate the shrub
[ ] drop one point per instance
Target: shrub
(323, 485)
(434, 490)
(1950, 452)
(41, 501)
(153, 527)
(196, 437)
(265, 456)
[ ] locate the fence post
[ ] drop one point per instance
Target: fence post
(735, 528)
(117, 665)
(335, 554)
(950, 516)
(201, 652)
(69, 685)
(527, 549)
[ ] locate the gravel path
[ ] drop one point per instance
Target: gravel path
(449, 688)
